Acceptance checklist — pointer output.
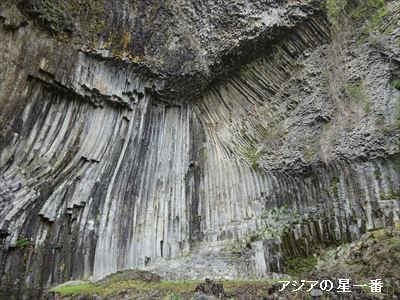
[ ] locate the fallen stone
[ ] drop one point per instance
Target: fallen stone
(211, 288)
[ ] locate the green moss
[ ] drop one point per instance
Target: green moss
(391, 195)
(74, 290)
(334, 9)
(267, 138)
(378, 17)
(22, 244)
(98, 26)
(357, 10)
(109, 289)
(378, 174)
(335, 186)
(298, 67)
(364, 9)
(299, 266)
(397, 117)
(356, 93)
(166, 289)
(253, 155)
(396, 84)
(68, 16)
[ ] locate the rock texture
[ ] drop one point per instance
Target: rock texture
(211, 134)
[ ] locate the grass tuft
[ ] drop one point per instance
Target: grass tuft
(396, 84)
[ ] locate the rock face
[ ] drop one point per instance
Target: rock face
(224, 136)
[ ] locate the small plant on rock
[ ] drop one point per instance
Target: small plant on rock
(396, 84)
(22, 244)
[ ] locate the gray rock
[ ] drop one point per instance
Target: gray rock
(316, 293)
(202, 296)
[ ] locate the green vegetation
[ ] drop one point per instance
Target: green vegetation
(349, 17)
(357, 94)
(347, 258)
(398, 116)
(378, 174)
(254, 155)
(396, 84)
(268, 139)
(165, 289)
(377, 19)
(364, 9)
(335, 186)
(22, 244)
(74, 290)
(298, 266)
(390, 195)
(62, 16)
(357, 10)
(335, 10)
(298, 67)
(57, 15)
(114, 288)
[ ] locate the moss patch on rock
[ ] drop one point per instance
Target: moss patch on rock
(298, 266)
(375, 255)
(139, 289)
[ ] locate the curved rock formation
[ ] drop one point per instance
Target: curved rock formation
(192, 138)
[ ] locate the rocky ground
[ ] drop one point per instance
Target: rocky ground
(375, 256)
(232, 141)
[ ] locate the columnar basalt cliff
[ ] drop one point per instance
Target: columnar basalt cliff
(191, 138)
